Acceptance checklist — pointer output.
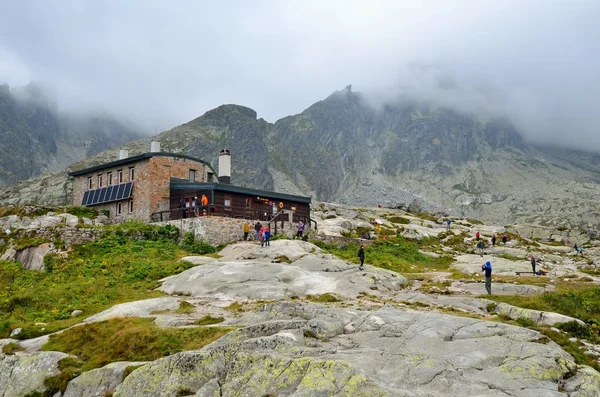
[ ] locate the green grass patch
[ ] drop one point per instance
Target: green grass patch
(425, 216)
(209, 320)
(395, 253)
(82, 212)
(581, 303)
(474, 221)
(95, 276)
(284, 259)
(398, 219)
(510, 257)
(323, 298)
(129, 339)
(185, 308)
(11, 348)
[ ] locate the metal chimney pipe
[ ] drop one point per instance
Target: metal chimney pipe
(225, 166)
(154, 146)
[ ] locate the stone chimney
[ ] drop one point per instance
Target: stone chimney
(123, 154)
(225, 166)
(154, 147)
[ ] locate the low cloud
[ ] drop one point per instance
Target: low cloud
(163, 64)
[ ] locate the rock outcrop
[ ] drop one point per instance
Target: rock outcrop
(287, 268)
(300, 349)
(23, 374)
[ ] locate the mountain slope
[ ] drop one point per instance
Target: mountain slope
(343, 150)
(35, 138)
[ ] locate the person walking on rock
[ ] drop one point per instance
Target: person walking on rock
(477, 236)
(246, 230)
(257, 227)
(504, 239)
(487, 268)
(494, 240)
(267, 236)
(300, 229)
(448, 222)
(480, 247)
(261, 233)
(361, 256)
(532, 264)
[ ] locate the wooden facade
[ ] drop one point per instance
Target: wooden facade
(233, 201)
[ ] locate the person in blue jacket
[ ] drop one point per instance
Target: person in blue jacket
(487, 268)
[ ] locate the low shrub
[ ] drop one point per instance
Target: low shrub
(209, 320)
(128, 339)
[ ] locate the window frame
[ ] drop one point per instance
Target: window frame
(100, 180)
(190, 174)
(226, 200)
(119, 209)
(248, 203)
(130, 206)
(109, 178)
(131, 173)
(90, 184)
(119, 176)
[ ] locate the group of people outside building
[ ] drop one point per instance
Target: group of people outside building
(263, 232)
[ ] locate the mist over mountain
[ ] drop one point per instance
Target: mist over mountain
(35, 137)
(343, 149)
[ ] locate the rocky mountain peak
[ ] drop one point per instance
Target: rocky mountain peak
(225, 115)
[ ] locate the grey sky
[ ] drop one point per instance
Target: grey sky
(164, 63)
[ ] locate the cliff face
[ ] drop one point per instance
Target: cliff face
(343, 150)
(35, 138)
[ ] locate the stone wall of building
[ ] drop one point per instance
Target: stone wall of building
(151, 193)
(217, 230)
(150, 189)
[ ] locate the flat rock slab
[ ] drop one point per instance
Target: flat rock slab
(143, 308)
(299, 349)
(286, 269)
(500, 288)
(472, 305)
(471, 264)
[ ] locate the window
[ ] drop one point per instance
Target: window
(100, 180)
(248, 203)
(209, 176)
(119, 209)
(109, 178)
(130, 206)
(131, 173)
(90, 183)
(227, 201)
(120, 176)
(192, 175)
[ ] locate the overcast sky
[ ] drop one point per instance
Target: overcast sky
(166, 62)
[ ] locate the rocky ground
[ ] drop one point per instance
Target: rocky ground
(308, 323)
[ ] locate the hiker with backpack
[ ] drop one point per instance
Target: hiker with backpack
(361, 256)
(487, 268)
(504, 239)
(532, 264)
(480, 247)
(448, 222)
(257, 227)
(494, 240)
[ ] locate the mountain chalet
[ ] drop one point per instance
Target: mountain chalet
(161, 186)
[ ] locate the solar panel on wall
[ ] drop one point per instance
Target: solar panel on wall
(86, 195)
(107, 194)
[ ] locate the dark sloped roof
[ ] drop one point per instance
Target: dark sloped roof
(180, 184)
(137, 158)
